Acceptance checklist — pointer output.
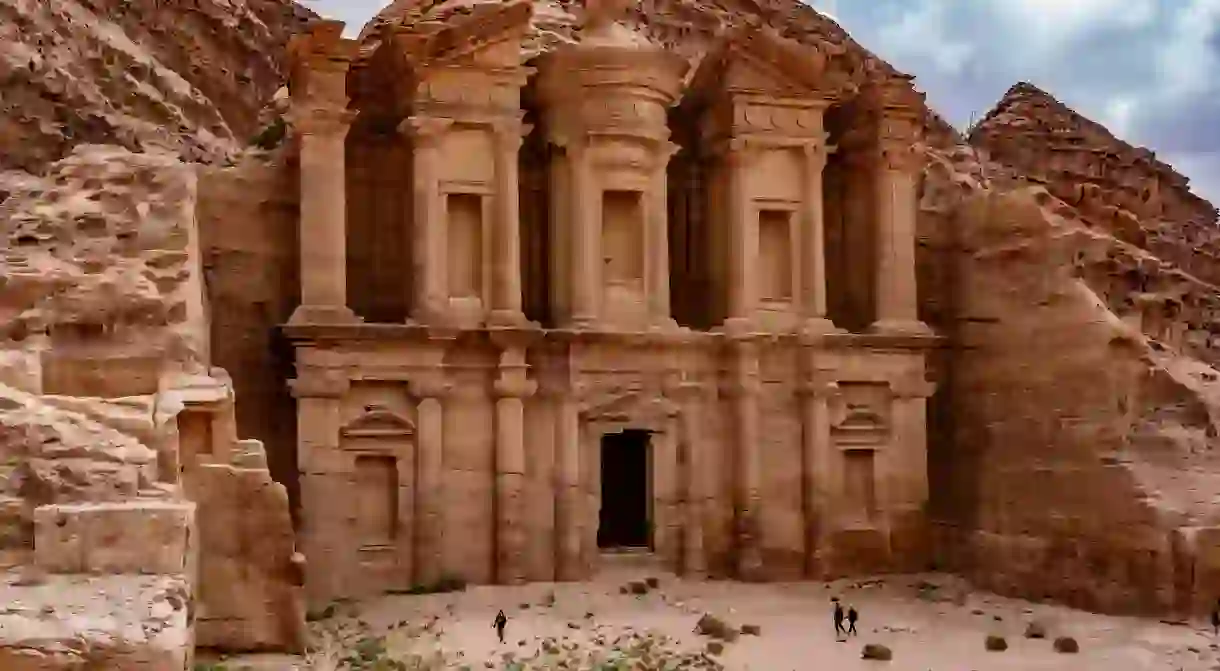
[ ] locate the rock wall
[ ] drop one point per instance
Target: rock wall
(115, 424)
(248, 228)
(1072, 434)
(187, 77)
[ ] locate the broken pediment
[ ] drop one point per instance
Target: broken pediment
(489, 37)
(759, 62)
(378, 422)
(628, 406)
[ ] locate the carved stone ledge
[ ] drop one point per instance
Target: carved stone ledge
(430, 388)
(515, 386)
(320, 384)
(425, 130)
(326, 121)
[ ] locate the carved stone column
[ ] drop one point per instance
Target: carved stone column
(813, 249)
(511, 387)
(567, 488)
(744, 389)
(326, 520)
(585, 217)
(906, 473)
(694, 483)
(323, 215)
(817, 461)
(506, 290)
(658, 240)
(897, 201)
(431, 245)
(429, 478)
(743, 241)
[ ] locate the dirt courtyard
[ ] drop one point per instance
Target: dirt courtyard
(928, 622)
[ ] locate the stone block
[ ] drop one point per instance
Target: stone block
(149, 537)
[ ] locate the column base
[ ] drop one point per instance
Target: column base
(324, 314)
(904, 327)
(582, 323)
(508, 319)
(739, 326)
(819, 326)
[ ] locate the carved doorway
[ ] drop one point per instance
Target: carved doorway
(625, 518)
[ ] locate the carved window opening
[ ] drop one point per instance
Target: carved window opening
(465, 238)
(377, 499)
(691, 274)
(775, 255)
(537, 249)
(623, 236)
(194, 435)
(859, 484)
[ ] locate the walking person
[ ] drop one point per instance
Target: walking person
(852, 616)
(499, 623)
(839, 620)
(1216, 618)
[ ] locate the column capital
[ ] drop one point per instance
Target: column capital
(319, 383)
(514, 385)
(900, 156)
(912, 387)
(425, 129)
(818, 388)
(321, 120)
(430, 388)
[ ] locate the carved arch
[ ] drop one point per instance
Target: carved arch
(630, 410)
(378, 422)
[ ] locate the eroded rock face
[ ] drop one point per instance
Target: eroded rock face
(186, 77)
(1076, 421)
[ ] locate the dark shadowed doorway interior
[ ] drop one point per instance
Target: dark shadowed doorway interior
(624, 518)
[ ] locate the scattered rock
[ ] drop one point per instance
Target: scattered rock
(710, 625)
(636, 587)
(715, 647)
(995, 643)
(652, 583)
(751, 630)
(876, 651)
(1035, 629)
(1066, 645)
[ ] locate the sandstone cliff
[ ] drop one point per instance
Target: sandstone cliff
(1075, 427)
(188, 77)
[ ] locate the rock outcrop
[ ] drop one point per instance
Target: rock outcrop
(186, 77)
(1074, 431)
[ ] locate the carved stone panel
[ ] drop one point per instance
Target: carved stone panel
(861, 414)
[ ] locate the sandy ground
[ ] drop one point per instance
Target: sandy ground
(929, 622)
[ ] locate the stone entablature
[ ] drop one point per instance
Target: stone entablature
(690, 235)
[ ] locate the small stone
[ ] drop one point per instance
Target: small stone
(652, 583)
(715, 647)
(995, 643)
(876, 651)
(1066, 645)
(751, 630)
(1035, 629)
(637, 587)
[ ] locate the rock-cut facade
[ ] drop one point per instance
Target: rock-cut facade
(605, 296)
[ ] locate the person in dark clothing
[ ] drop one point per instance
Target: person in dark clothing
(501, 620)
(839, 619)
(852, 616)
(1216, 618)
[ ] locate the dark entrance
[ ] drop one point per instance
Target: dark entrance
(623, 521)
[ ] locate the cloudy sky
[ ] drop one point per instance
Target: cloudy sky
(1147, 69)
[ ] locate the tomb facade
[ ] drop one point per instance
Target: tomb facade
(603, 298)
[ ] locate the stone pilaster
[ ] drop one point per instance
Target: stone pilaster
(585, 270)
(813, 248)
(744, 388)
(326, 519)
(906, 473)
(431, 246)
(743, 240)
(694, 481)
(658, 239)
(897, 198)
(511, 387)
(506, 289)
(567, 488)
(323, 213)
(817, 462)
(429, 477)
